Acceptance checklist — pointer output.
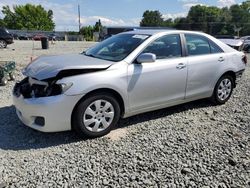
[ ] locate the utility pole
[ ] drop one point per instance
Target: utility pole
(79, 17)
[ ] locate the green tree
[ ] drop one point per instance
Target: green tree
(225, 25)
(182, 23)
(168, 23)
(98, 26)
(152, 19)
(87, 32)
(214, 20)
(1, 23)
(203, 18)
(241, 18)
(31, 17)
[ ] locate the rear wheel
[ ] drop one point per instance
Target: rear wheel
(96, 115)
(223, 89)
(3, 44)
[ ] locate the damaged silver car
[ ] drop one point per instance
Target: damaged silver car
(127, 74)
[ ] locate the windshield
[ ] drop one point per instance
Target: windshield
(117, 47)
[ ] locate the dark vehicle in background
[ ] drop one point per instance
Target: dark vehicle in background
(110, 31)
(25, 37)
(15, 36)
(54, 37)
(5, 37)
(246, 47)
(38, 36)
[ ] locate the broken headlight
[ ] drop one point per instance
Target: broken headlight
(31, 88)
(57, 89)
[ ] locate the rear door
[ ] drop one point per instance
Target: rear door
(204, 61)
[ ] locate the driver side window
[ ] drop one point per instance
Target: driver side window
(166, 47)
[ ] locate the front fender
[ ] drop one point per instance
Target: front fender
(114, 79)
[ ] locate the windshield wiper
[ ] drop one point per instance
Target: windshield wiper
(90, 55)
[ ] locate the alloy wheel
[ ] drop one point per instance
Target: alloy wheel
(224, 89)
(98, 116)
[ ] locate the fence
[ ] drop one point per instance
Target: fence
(61, 34)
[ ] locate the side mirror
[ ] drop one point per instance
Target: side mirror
(146, 58)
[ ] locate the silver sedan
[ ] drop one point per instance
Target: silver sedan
(127, 74)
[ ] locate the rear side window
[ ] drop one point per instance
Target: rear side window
(214, 48)
(166, 47)
(198, 45)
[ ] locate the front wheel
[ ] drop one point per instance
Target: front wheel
(223, 89)
(96, 115)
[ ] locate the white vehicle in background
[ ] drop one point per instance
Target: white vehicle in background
(240, 44)
(231, 41)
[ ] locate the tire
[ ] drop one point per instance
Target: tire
(248, 49)
(90, 122)
(12, 76)
(3, 44)
(223, 90)
(4, 81)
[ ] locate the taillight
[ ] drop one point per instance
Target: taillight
(244, 59)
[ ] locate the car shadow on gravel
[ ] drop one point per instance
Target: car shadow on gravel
(153, 115)
(16, 136)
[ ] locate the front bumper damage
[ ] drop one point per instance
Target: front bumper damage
(44, 113)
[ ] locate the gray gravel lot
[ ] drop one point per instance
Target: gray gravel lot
(191, 145)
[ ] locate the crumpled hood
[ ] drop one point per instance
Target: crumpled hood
(46, 67)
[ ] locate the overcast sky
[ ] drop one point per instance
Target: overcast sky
(113, 12)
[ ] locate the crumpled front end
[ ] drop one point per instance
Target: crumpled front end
(32, 88)
(42, 105)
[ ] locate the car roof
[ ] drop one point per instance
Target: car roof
(157, 31)
(152, 32)
(146, 31)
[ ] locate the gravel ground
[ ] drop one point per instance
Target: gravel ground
(191, 145)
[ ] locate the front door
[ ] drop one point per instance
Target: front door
(160, 82)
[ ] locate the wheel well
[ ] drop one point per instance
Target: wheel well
(231, 73)
(117, 96)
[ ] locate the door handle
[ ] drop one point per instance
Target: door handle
(181, 66)
(221, 59)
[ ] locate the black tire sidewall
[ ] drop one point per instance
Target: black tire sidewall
(217, 100)
(77, 121)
